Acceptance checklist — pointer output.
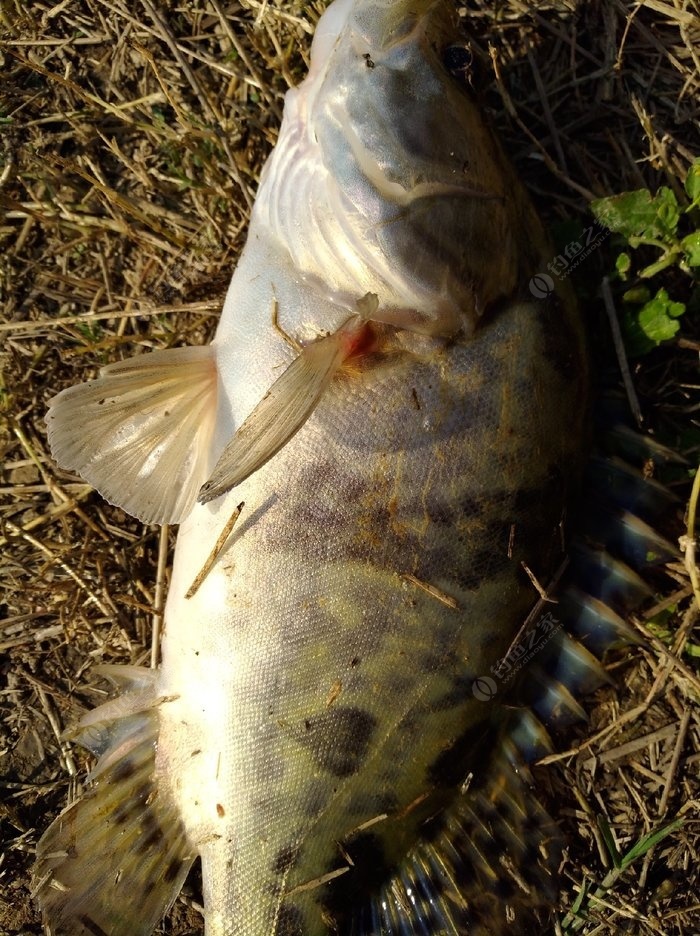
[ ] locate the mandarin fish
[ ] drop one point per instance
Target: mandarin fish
(370, 464)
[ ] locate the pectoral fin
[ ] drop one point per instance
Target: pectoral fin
(283, 410)
(140, 433)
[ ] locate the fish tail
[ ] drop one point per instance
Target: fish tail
(113, 862)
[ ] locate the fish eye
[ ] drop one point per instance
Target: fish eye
(459, 63)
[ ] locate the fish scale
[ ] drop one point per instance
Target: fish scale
(394, 725)
(371, 478)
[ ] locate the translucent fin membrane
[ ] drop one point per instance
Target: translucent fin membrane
(140, 433)
(282, 411)
(529, 736)
(631, 539)
(594, 623)
(610, 580)
(113, 862)
(637, 449)
(617, 484)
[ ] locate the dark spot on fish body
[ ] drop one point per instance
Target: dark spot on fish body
(315, 797)
(350, 890)
(452, 765)
(551, 491)
(562, 343)
(144, 792)
(460, 692)
(442, 513)
(373, 803)
(339, 738)
(537, 514)
(286, 858)
(123, 771)
(290, 922)
(274, 889)
(151, 837)
(172, 870)
(484, 566)
(470, 507)
(432, 662)
(124, 811)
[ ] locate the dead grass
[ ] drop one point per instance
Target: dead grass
(131, 139)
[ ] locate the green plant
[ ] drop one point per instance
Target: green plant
(668, 229)
(588, 898)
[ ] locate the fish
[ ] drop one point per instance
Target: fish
(371, 465)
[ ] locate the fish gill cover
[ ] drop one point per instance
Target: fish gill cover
(132, 140)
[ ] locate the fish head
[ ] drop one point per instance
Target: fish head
(384, 155)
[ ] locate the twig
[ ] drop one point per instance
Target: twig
(431, 590)
(18, 531)
(688, 542)
(620, 351)
(208, 307)
(214, 554)
(159, 599)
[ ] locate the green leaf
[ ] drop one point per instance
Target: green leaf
(580, 897)
(691, 248)
(628, 214)
(657, 317)
(638, 214)
(637, 294)
(668, 212)
(692, 183)
(623, 263)
(641, 847)
(609, 840)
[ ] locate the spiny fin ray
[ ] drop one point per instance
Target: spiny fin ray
(496, 854)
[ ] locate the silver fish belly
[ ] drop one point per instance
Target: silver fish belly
(310, 730)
